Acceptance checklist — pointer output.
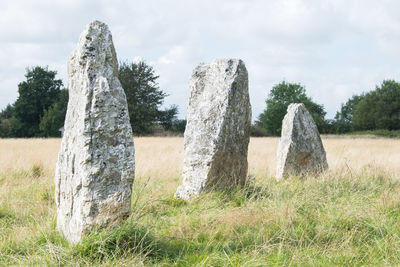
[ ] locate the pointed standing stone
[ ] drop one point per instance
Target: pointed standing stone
(95, 167)
(300, 149)
(218, 128)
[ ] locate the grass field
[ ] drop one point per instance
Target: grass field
(348, 216)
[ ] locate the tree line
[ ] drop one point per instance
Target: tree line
(40, 108)
(378, 109)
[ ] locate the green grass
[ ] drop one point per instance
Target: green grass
(338, 219)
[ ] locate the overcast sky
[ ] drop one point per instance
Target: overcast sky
(334, 48)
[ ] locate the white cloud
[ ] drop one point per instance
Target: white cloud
(335, 48)
(175, 68)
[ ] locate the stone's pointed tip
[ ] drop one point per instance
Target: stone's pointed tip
(97, 22)
(238, 60)
(295, 106)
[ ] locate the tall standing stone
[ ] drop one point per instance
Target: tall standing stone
(218, 128)
(95, 168)
(300, 149)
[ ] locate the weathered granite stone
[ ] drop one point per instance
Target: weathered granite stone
(218, 128)
(300, 150)
(95, 168)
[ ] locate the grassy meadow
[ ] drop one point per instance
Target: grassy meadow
(348, 216)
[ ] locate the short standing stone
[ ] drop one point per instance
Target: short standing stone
(95, 167)
(218, 128)
(300, 150)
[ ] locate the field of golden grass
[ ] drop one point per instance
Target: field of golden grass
(159, 159)
(162, 157)
(348, 216)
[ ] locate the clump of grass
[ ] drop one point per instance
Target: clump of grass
(7, 218)
(121, 241)
(47, 195)
(6, 214)
(36, 171)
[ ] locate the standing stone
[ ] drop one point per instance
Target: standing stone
(218, 128)
(95, 168)
(300, 150)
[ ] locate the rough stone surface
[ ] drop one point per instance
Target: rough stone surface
(218, 128)
(300, 150)
(95, 168)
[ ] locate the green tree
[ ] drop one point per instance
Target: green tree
(344, 118)
(5, 128)
(7, 112)
(16, 127)
(379, 109)
(178, 126)
(280, 97)
(54, 117)
(167, 117)
(36, 94)
(5, 116)
(144, 97)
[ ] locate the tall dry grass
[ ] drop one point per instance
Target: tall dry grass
(162, 157)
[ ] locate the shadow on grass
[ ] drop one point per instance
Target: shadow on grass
(133, 239)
